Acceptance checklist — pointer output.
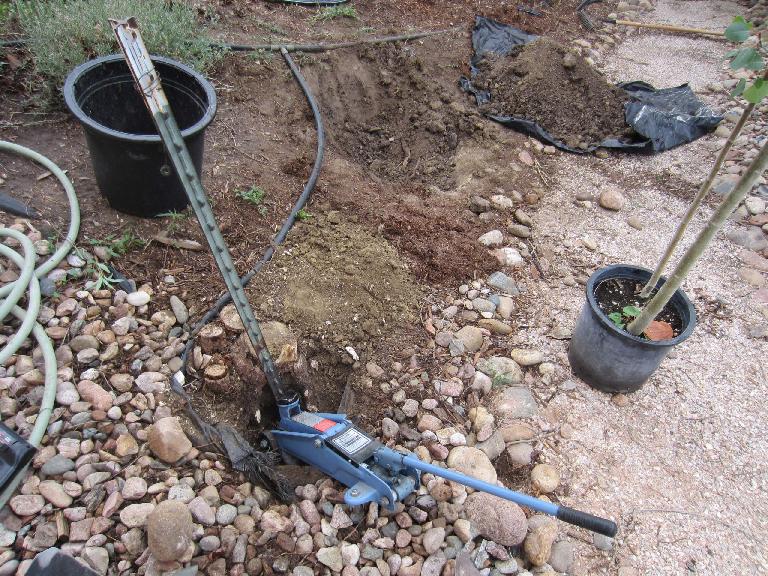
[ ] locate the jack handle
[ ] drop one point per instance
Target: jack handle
(576, 517)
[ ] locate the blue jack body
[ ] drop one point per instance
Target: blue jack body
(375, 473)
(333, 444)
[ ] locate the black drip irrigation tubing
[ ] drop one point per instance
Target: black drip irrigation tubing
(309, 2)
(334, 45)
(287, 224)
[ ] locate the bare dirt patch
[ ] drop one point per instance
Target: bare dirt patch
(346, 294)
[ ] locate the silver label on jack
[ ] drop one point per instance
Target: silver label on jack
(351, 441)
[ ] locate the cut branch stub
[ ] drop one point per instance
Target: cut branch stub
(231, 319)
(217, 377)
(212, 339)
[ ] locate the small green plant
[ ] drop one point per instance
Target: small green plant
(5, 12)
(333, 12)
(65, 33)
(254, 195)
(118, 246)
(93, 268)
(269, 27)
(175, 221)
(261, 55)
(302, 215)
(102, 275)
(627, 314)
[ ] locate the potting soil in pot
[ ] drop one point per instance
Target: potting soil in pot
(615, 294)
(545, 82)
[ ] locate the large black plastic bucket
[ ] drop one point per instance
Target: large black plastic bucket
(132, 169)
(611, 359)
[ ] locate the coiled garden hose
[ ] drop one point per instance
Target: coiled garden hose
(289, 221)
(28, 283)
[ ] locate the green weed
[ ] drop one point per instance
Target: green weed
(117, 246)
(269, 27)
(176, 221)
(302, 215)
(254, 195)
(102, 275)
(261, 55)
(99, 271)
(333, 12)
(5, 13)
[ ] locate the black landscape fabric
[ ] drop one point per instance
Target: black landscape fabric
(661, 118)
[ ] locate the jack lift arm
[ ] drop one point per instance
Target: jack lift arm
(371, 471)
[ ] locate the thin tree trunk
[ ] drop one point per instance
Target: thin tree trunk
(698, 199)
(694, 252)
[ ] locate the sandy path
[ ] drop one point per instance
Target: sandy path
(682, 464)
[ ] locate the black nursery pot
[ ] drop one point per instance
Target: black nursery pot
(611, 359)
(132, 168)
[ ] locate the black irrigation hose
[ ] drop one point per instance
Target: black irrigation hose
(309, 2)
(287, 225)
(335, 45)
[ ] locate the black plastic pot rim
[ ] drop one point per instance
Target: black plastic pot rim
(611, 327)
(89, 123)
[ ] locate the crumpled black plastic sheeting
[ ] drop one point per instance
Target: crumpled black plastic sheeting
(258, 466)
(662, 119)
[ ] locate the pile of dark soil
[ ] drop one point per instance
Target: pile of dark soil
(546, 83)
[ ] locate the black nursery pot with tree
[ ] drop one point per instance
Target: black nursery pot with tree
(608, 357)
(617, 349)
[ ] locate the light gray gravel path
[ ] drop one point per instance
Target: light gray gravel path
(673, 59)
(680, 464)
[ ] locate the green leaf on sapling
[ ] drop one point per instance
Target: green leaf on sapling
(747, 58)
(739, 29)
(756, 92)
(739, 88)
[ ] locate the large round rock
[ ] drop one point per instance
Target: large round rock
(169, 530)
(499, 520)
(472, 462)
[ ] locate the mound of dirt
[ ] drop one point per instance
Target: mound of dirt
(384, 109)
(338, 286)
(545, 82)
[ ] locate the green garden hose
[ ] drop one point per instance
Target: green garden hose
(28, 283)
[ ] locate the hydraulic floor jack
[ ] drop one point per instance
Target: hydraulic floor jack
(331, 442)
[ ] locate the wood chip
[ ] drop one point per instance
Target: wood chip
(180, 243)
